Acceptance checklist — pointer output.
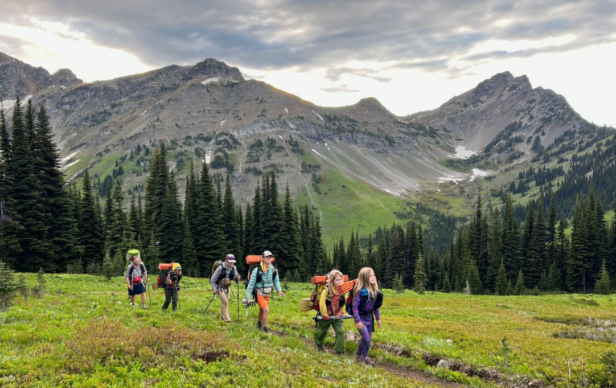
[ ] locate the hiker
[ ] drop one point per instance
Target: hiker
(221, 284)
(365, 298)
(263, 279)
(172, 286)
(135, 274)
(331, 308)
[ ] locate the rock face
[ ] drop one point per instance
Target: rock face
(210, 109)
(20, 79)
(476, 117)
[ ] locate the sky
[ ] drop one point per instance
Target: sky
(410, 55)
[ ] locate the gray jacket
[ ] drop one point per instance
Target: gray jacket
(230, 273)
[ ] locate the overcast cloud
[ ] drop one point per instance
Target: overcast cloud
(412, 55)
(272, 34)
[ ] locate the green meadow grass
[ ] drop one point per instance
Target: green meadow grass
(84, 333)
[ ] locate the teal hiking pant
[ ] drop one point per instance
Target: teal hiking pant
(321, 332)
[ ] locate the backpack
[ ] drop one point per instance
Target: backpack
(130, 273)
(259, 278)
(378, 301)
(165, 274)
(223, 271)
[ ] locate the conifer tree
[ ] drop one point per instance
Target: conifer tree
(446, 284)
(256, 232)
(189, 255)
(395, 261)
(290, 237)
(551, 231)
(381, 255)
(494, 245)
(420, 279)
(520, 288)
(500, 285)
(536, 259)
(341, 259)
(171, 222)
(474, 279)
(248, 224)
(603, 284)
(230, 221)
(10, 246)
(272, 221)
(90, 229)
(510, 245)
(354, 255)
(579, 263)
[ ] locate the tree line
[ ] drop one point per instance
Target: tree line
(59, 227)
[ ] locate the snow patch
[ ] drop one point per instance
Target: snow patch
(478, 172)
(208, 157)
(66, 159)
(222, 123)
(317, 152)
(286, 110)
(8, 104)
(144, 112)
(463, 153)
(62, 87)
(280, 137)
(210, 80)
(390, 192)
(291, 125)
(454, 179)
(70, 164)
(318, 115)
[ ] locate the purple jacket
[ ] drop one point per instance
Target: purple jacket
(363, 312)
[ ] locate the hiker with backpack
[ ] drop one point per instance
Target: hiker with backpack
(331, 308)
(366, 304)
(170, 278)
(263, 278)
(136, 273)
(221, 281)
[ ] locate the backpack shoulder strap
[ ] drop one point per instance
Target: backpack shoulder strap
(143, 270)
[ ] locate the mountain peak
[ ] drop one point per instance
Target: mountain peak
(211, 66)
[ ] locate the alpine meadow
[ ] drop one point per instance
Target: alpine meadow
(193, 225)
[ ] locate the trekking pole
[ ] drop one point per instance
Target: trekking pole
(238, 301)
(149, 296)
(208, 305)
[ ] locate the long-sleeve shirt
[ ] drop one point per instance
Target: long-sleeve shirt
(230, 273)
(328, 309)
(364, 312)
(267, 280)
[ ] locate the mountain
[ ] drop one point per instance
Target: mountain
(347, 162)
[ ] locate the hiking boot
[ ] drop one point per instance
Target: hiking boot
(143, 306)
(321, 348)
(359, 359)
(259, 325)
(265, 329)
(339, 353)
(369, 361)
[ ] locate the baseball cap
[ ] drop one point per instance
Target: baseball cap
(230, 258)
(267, 253)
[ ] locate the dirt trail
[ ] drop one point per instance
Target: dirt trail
(398, 371)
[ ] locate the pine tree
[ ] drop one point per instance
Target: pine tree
(108, 267)
(170, 221)
(273, 220)
(381, 255)
(25, 192)
(551, 231)
(603, 284)
(117, 223)
(510, 245)
(474, 279)
(90, 230)
(500, 285)
(10, 246)
(446, 284)
(519, 285)
(395, 261)
(189, 255)
(290, 237)
(419, 276)
(230, 220)
(579, 263)
(256, 234)
(536, 258)
(494, 252)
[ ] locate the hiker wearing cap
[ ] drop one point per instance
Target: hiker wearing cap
(331, 309)
(172, 286)
(135, 274)
(221, 283)
(263, 279)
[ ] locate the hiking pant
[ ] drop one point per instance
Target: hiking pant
(224, 304)
(171, 294)
(366, 337)
(321, 332)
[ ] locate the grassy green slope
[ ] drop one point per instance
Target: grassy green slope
(83, 333)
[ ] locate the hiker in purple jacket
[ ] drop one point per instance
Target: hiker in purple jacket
(365, 308)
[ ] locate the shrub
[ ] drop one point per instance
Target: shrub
(8, 287)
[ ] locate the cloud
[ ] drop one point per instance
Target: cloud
(334, 74)
(340, 89)
(276, 34)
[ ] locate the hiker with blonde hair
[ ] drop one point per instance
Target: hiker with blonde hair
(331, 308)
(367, 301)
